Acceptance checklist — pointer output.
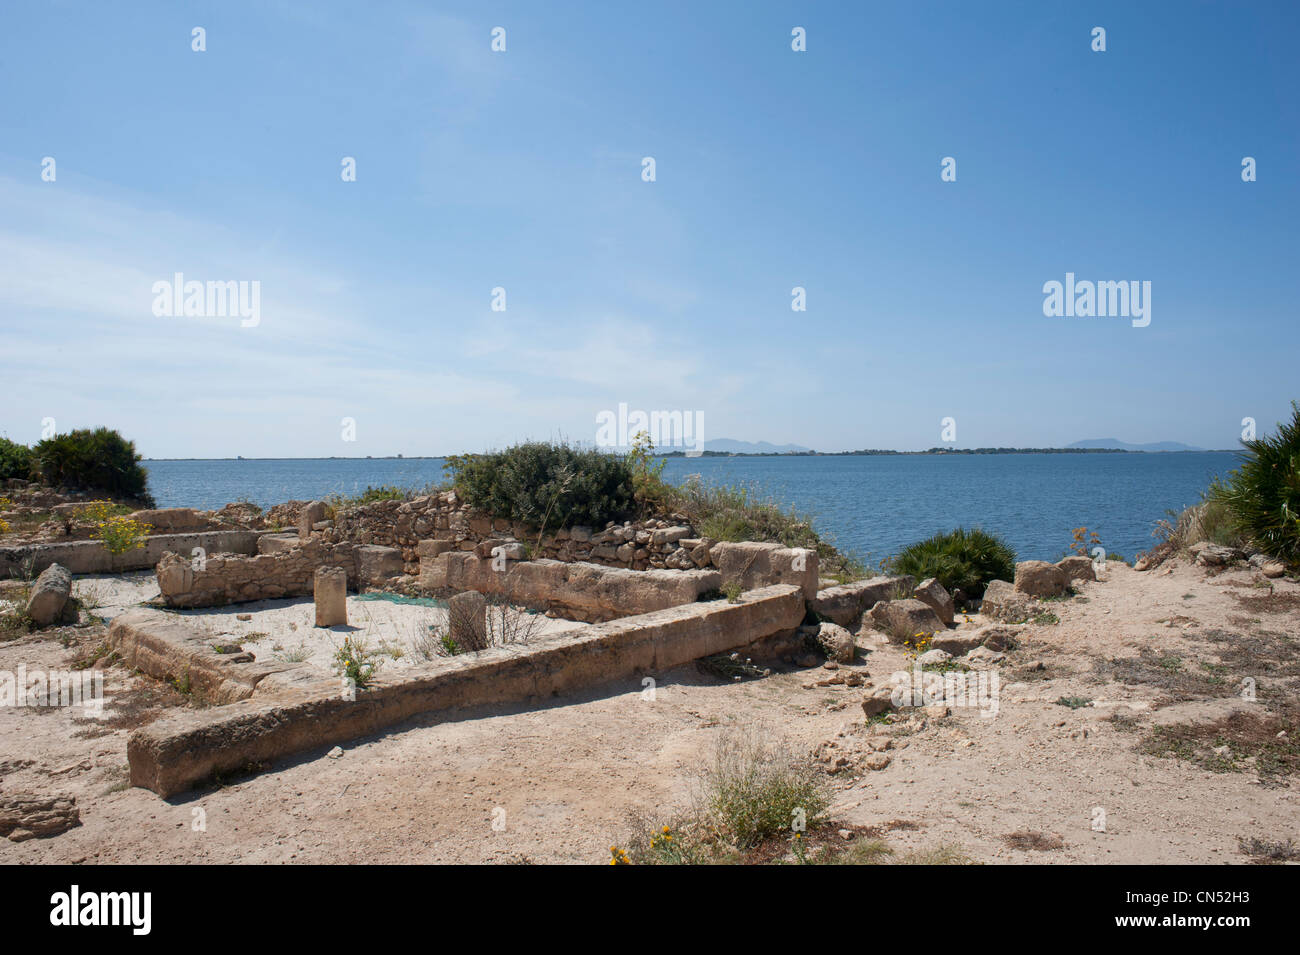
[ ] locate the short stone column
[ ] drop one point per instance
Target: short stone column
(467, 620)
(331, 592)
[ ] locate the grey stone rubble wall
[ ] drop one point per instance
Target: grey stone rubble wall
(174, 753)
(641, 545)
(90, 557)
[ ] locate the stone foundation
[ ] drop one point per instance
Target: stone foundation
(301, 708)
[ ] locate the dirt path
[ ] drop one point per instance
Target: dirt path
(567, 774)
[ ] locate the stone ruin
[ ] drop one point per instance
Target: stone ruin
(652, 569)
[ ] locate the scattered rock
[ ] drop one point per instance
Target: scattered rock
(26, 816)
(837, 642)
(877, 761)
(931, 592)
(50, 595)
(335, 753)
(903, 620)
(1003, 602)
(1274, 568)
(1038, 578)
(1216, 555)
(1077, 568)
(934, 657)
(312, 513)
(999, 636)
(877, 701)
(983, 657)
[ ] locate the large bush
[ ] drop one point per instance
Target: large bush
(15, 460)
(546, 485)
(965, 559)
(100, 460)
(1263, 494)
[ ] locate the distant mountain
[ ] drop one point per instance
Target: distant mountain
(731, 446)
(1118, 445)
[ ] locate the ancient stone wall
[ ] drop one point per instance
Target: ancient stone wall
(444, 524)
(636, 545)
(229, 578)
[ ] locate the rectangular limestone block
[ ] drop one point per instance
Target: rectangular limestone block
(434, 547)
(331, 593)
(376, 563)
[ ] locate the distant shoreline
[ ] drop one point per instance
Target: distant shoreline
(936, 452)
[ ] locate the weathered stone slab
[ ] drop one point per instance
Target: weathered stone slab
(175, 520)
(164, 646)
(375, 563)
(753, 564)
(280, 543)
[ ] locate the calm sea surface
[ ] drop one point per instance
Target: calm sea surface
(870, 505)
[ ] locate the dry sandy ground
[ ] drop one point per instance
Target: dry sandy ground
(559, 779)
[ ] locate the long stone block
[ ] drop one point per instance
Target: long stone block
(754, 564)
(173, 754)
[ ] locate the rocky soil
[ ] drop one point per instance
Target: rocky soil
(1121, 735)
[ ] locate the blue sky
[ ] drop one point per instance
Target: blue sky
(522, 169)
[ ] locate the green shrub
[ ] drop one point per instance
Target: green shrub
(961, 559)
(546, 485)
(756, 788)
(1262, 496)
(15, 460)
(734, 514)
(100, 460)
